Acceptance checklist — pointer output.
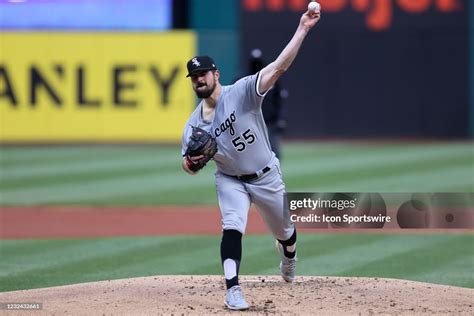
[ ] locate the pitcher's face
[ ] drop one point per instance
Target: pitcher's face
(204, 83)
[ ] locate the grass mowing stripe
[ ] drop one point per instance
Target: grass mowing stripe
(115, 159)
(98, 162)
(199, 195)
(39, 161)
(40, 153)
(153, 256)
(423, 181)
(308, 245)
(333, 257)
(107, 171)
(174, 179)
(460, 187)
(15, 154)
(317, 149)
(259, 254)
(206, 194)
(365, 174)
(439, 253)
(294, 148)
(141, 256)
(89, 164)
(49, 181)
(434, 165)
(169, 188)
(167, 261)
(380, 158)
(294, 152)
(85, 155)
(20, 257)
(459, 272)
(398, 183)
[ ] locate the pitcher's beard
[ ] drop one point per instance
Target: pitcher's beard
(206, 93)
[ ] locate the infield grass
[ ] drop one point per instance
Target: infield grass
(444, 259)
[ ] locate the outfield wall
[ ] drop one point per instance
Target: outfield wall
(393, 68)
(69, 86)
(471, 72)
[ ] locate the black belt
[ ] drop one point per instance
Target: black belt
(252, 176)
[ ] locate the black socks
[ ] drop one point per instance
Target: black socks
(231, 254)
(289, 246)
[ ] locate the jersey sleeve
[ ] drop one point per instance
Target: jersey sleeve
(187, 130)
(253, 97)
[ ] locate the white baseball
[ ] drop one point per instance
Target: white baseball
(314, 6)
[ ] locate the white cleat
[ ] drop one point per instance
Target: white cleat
(234, 299)
(287, 265)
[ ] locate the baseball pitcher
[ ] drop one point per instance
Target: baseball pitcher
(228, 127)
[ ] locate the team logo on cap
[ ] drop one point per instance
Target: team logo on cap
(196, 62)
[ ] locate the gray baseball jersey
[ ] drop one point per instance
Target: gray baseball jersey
(243, 148)
(238, 127)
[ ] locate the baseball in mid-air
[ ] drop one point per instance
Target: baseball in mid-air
(314, 6)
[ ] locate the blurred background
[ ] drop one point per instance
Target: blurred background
(93, 100)
(371, 69)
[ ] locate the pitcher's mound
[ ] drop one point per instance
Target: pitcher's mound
(265, 294)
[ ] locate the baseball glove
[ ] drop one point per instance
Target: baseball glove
(200, 143)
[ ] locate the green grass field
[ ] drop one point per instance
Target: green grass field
(444, 259)
(151, 175)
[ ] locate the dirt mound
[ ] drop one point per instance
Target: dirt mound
(266, 294)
